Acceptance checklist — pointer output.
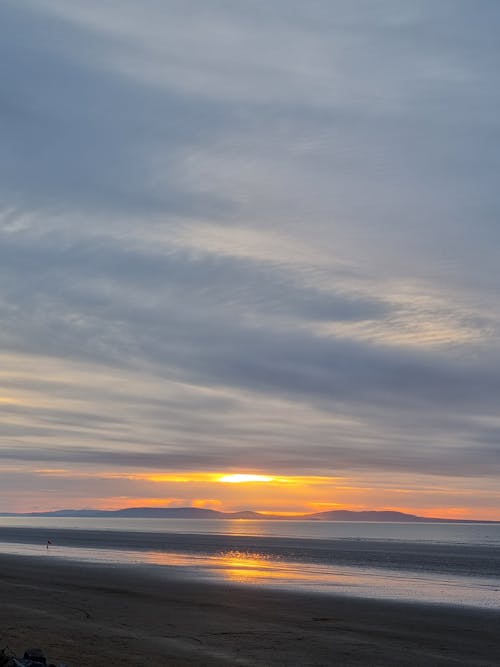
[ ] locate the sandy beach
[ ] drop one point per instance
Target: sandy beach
(86, 615)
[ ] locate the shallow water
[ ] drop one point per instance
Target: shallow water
(258, 569)
(446, 533)
(456, 564)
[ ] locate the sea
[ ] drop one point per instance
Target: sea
(440, 563)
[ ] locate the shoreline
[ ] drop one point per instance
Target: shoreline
(85, 615)
(254, 571)
(462, 559)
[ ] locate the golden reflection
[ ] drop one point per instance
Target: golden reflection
(246, 567)
(233, 565)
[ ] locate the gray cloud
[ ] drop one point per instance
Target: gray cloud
(365, 134)
(76, 135)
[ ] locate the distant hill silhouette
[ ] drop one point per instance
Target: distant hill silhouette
(201, 513)
(367, 515)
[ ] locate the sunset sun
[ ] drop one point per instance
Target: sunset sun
(242, 478)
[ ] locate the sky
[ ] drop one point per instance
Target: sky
(250, 238)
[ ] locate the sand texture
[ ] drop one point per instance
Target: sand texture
(86, 615)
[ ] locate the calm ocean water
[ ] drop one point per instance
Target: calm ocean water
(446, 533)
(445, 563)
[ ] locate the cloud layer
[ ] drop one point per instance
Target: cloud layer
(257, 238)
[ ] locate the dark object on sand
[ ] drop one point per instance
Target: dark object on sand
(33, 657)
(36, 656)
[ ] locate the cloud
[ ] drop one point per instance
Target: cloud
(257, 237)
(76, 135)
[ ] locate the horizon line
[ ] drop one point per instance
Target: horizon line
(261, 513)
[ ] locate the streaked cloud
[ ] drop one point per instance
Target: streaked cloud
(254, 240)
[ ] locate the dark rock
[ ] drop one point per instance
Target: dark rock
(35, 655)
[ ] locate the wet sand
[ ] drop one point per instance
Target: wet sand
(87, 615)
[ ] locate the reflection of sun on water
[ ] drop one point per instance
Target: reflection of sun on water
(237, 566)
(247, 567)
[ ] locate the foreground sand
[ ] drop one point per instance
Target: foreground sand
(94, 616)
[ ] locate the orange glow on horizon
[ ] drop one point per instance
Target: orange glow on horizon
(282, 513)
(243, 478)
(263, 492)
(123, 502)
